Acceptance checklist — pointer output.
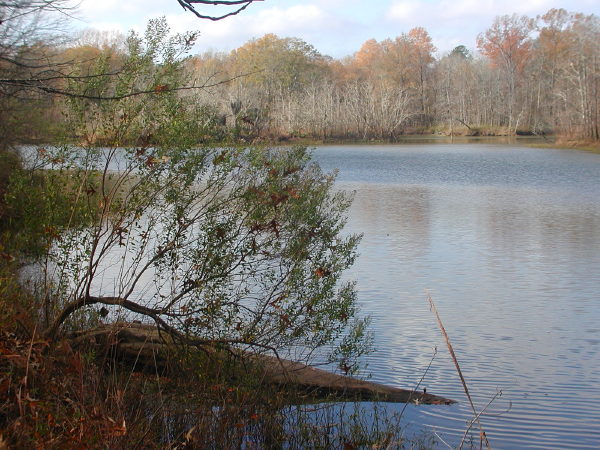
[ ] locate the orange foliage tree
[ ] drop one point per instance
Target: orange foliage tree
(508, 45)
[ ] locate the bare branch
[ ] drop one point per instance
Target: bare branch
(38, 84)
(240, 4)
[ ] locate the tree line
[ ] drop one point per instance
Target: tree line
(531, 76)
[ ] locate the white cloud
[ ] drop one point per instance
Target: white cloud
(454, 22)
(336, 27)
(405, 11)
(308, 22)
(298, 17)
(90, 9)
(110, 26)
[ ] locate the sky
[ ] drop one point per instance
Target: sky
(334, 27)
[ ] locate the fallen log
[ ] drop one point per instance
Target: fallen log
(146, 347)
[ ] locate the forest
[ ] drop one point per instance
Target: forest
(527, 76)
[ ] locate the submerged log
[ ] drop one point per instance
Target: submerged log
(321, 384)
(144, 347)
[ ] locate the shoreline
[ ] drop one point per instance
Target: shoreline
(592, 147)
(532, 141)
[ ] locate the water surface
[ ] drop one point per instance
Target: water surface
(506, 239)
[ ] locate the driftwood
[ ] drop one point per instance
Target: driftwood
(145, 347)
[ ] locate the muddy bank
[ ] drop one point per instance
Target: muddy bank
(144, 347)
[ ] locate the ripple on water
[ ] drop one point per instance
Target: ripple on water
(507, 240)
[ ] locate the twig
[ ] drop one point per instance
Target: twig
(462, 441)
(25, 378)
(160, 390)
(483, 436)
(419, 383)
(34, 83)
(443, 441)
(29, 355)
(500, 414)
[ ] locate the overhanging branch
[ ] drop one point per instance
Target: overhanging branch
(39, 84)
(239, 5)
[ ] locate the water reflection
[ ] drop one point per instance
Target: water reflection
(399, 219)
(508, 241)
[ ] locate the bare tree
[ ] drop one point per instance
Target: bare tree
(508, 45)
(28, 30)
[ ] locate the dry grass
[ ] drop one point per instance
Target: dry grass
(476, 415)
(56, 395)
(566, 143)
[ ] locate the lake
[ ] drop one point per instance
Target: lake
(506, 240)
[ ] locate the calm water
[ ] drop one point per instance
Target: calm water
(507, 241)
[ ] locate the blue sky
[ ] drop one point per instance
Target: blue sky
(334, 27)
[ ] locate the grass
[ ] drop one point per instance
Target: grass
(476, 415)
(68, 394)
(588, 146)
(55, 395)
(79, 394)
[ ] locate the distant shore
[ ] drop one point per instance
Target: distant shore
(406, 139)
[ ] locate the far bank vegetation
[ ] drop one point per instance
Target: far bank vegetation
(537, 76)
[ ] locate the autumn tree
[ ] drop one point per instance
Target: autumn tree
(584, 75)
(407, 62)
(283, 62)
(421, 53)
(521, 82)
(275, 73)
(29, 32)
(366, 62)
(508, 45)
(456, 82)
(553, 49)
